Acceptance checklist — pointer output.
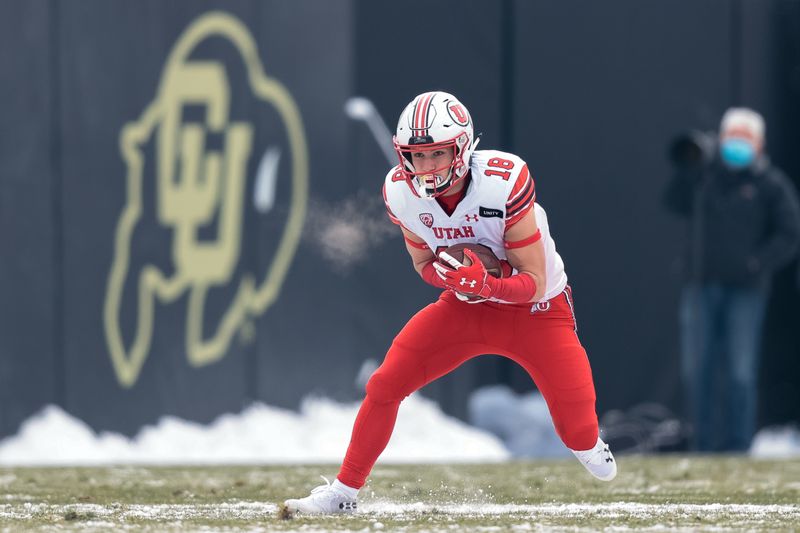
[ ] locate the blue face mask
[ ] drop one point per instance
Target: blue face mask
(737, 153)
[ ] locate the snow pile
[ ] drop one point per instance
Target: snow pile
(522, 421)
(776, 443)
(260, 434)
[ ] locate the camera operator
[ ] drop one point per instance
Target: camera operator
(744, 224)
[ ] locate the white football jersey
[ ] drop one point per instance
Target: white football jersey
(500, 192)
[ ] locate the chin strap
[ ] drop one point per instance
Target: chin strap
(475, 144)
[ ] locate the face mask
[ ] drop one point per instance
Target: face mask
(737, 153)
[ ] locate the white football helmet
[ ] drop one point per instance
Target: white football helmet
(433, 122)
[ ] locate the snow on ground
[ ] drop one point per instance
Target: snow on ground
(319, 432)
(608, 509)
(776, 443)
(258, 510)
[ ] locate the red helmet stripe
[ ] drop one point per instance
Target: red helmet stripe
(417, 107)
(421, 113)
(418, 114)
(425, 113)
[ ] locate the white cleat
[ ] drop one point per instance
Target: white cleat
(330, 498)
(598, 461)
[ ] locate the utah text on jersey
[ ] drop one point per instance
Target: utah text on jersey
(500, 192)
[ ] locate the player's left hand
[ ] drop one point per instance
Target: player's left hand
(472, 280)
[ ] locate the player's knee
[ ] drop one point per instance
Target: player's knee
(383, 389)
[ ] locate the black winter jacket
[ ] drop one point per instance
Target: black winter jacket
(748, 224)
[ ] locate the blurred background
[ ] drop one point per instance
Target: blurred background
(190, 211)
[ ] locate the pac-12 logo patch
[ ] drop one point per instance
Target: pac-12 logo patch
(427, 219)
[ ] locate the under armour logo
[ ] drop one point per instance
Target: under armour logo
(609, 459)
(471, 283)
(472, 218)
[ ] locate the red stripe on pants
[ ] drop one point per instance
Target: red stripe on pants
(447, 333)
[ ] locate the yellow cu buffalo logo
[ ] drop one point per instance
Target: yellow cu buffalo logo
(198, 188)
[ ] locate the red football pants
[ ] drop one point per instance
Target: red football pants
(447, 333)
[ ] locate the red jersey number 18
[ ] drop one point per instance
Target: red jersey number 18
(496, 162)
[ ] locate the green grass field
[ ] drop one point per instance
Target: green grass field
(695, 493)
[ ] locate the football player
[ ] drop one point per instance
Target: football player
(444, 192)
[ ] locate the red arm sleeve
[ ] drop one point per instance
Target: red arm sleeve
(430, 276)
(519, 288)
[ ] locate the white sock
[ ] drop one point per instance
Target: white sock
(350, 492)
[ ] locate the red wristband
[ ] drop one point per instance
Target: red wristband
(430, 276)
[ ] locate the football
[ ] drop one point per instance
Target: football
(484, 253)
